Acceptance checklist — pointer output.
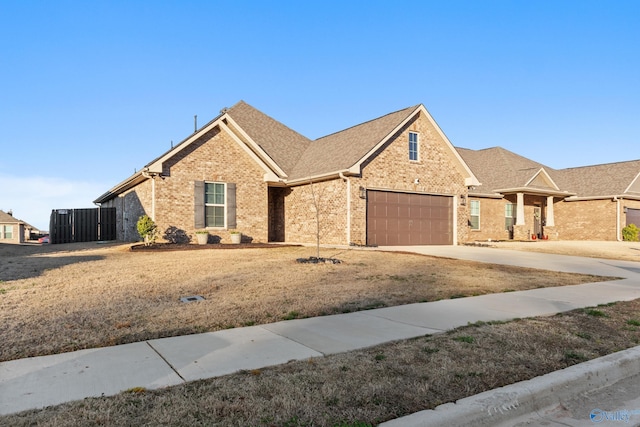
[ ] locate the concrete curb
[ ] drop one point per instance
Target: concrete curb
(502, 405)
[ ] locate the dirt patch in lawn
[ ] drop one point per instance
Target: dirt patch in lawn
(366, 387)
(63, 301)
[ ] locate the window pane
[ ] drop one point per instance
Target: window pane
(475, 222)
(475, 207)
(214, 216)
(413, 146)
(8, 231)
(209, 193)
(218, 194)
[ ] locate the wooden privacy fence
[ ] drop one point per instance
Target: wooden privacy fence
(82, 225)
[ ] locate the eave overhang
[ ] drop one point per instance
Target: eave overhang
(535, 191)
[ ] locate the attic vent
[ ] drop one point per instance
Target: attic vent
(193, 298)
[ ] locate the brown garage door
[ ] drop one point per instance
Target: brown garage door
(633, 216)
(408, 219)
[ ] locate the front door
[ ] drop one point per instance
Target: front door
(537, 222)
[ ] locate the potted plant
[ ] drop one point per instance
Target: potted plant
(202, 237)
(236, 236)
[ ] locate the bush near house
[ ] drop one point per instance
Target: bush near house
(630, 233)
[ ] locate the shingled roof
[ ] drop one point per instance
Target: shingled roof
(612, 179)
(5, 218)
(341, 150)
(498, 169)
(284, 145)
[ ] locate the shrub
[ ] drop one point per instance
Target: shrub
(630, 233)
(146, 229)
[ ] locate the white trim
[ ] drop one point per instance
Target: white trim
(618, 225)
(613, 198)
(632, 182)
(251, 153)
(546, 177)
(156, 166)
(454, 236)
(471, 215)
(347, 181)
(520, 220)
(417, 159)
(470, 179)
(224, 206)
(255, 148)
(551, 221)
(531, 190)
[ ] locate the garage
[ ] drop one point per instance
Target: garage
(633, 216)
(395, 219)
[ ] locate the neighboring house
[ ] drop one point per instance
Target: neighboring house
(395, 180)
(13, 230)
(522, 199)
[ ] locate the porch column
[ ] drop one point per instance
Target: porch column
(550, 220)
(520, 209)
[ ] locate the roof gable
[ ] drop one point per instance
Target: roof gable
(542, 180)
(282, 144)
(634, 187)
(498, 168)
(347, 150)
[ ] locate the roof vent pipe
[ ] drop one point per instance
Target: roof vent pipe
(195, 123)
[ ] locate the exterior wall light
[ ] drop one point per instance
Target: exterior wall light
(363, 193)
(463, 200)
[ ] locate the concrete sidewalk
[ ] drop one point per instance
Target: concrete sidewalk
(42, 381)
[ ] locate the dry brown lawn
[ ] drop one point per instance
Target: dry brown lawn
(626, 251)
(58, 298)
(363, 388)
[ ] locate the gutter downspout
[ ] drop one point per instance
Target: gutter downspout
(145, 173)
(348, 230)
(618, 232)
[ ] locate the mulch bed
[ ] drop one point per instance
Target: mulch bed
(163, 247)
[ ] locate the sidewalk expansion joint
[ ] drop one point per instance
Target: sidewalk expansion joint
(167, 362)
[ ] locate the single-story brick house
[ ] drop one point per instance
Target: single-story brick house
(14, 230)
(393, 180)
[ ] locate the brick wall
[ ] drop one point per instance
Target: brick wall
(130, 206)
(492, 221)
(331, 205)
(586, 220)
(391, 169)
(214, 157)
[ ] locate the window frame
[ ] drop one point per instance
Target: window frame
(4, 233)
(222, 205)
(471, 214)
(512, 218)
(414, 147)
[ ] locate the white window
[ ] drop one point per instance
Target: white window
(413, 146)
(474, 212)
(509, 215)
(7, 232)
(214, 204)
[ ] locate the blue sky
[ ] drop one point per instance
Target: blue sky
(92, 90)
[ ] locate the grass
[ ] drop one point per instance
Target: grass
(98, 295)
(365, 387)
